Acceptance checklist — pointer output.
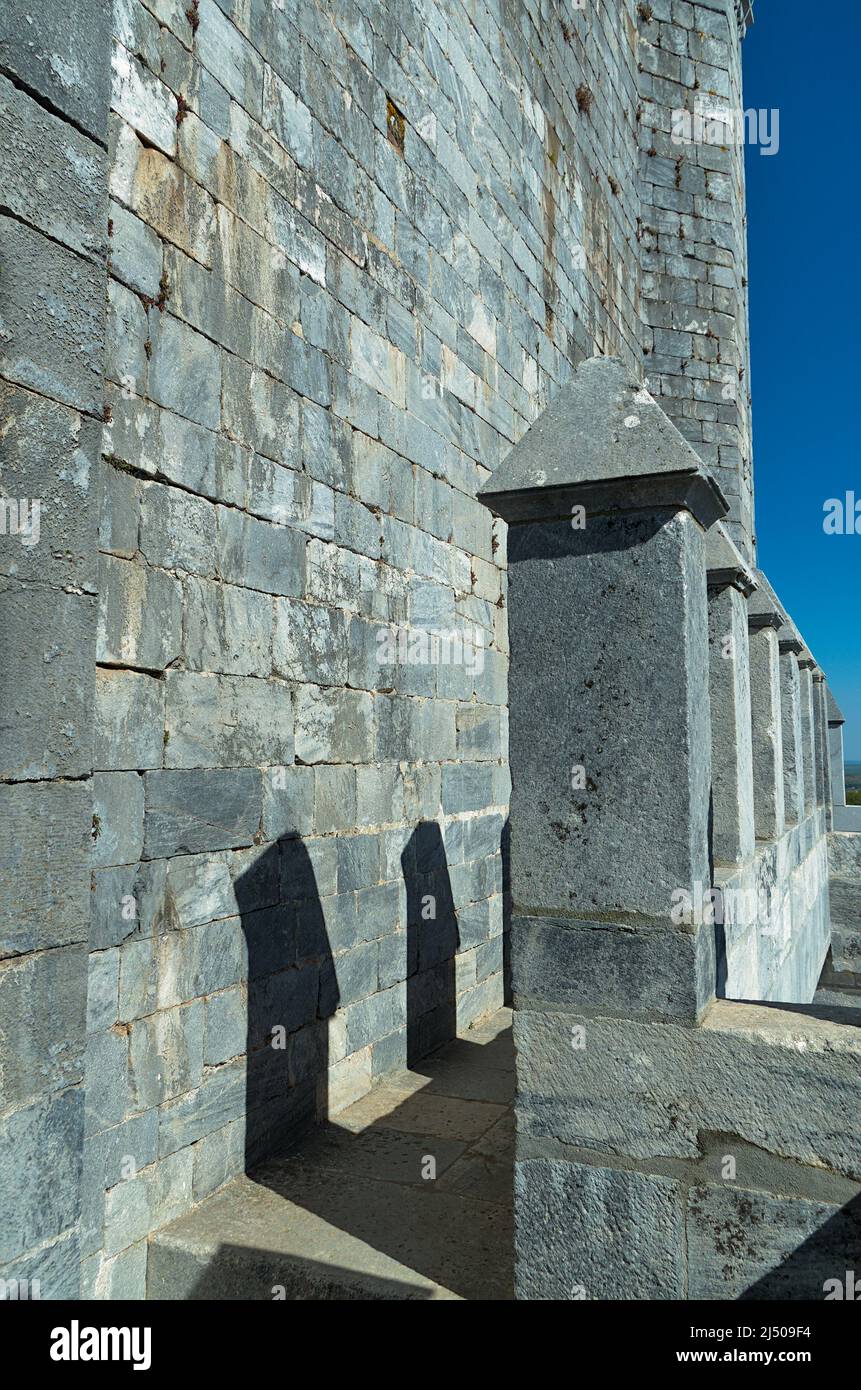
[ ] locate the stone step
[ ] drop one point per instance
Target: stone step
(350, 1214)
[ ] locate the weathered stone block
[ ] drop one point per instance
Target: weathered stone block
(138, 1205)
(125, 335)
(178, 531)
(587, 850)
(40, 1167)
(63, 55)
(644, 1089)
(140, 615)
(166, 1055)
(335, 798)
(375, 1017)
(198, 459)
(156, 189)
(52, 341)
(121, 1278)
(217, 1157)
(135, 250)
(44, 865)
(138, 989)
(260, 556)
(229, 56)
(656, 972)
(219, 1100)
(261, 412)
(129, 723)
(227, 629)
(479, 732)
(226, 720)
(107, 1075)
(185, 372)
(466, 787)
(310, 643)
(752, 1245)
(767, 737)
(52, 175)
(47, 691)
(358, 862)
(288, 801)
(102, 985)
(846, 949)
(190, 811)
(55, 1267)
(597, 1233)
(144, 102)
(51, 453)
(43, 1000)
(226, 1026)
(334, 726)
(380, 795)
(199, 961)
(846, 901)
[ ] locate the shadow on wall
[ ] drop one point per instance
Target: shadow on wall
(432, 943)
(365, 1183)
(295, 981)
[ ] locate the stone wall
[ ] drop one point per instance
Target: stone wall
(352, 250)
(694, 243)
(53, 176)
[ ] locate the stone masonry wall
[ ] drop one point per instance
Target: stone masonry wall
(53, 210)
(344, 277)
(694, 244)
(353, 249)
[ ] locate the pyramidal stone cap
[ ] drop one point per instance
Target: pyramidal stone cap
(764, 611)
(788, 635)
(725, 565)
(834, 713)
(605, 443)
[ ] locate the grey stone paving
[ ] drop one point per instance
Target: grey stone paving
(349, 1214)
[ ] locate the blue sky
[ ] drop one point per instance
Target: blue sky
(803, 229)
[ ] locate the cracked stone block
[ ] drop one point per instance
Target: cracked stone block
(189, 811)
(129, 725)
(140, 615)
(227, 721)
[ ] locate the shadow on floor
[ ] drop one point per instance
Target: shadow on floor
(407, 1192)
(405, 1195)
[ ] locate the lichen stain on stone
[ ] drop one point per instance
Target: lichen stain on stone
(548, 204)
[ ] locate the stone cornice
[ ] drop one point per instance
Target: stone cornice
(725, 565)
(603, 443)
